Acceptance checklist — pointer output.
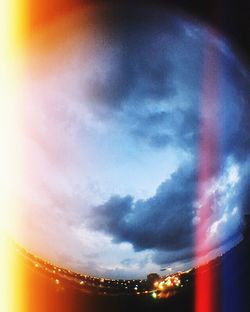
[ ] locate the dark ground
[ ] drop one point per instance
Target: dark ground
(230, 290)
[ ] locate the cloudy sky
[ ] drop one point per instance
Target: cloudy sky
(123, 110)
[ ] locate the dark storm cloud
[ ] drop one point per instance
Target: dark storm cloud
(162, 222)
(140, 67)
(136, 74)
(143, 69)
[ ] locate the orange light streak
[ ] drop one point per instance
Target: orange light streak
(19, 291)
(12, 34)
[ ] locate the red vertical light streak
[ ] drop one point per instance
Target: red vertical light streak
(205, 292)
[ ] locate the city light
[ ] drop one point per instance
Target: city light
(165, 287)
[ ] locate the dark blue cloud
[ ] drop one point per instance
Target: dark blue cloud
(166, 223)
(140, 68)
(162, 222)
(141, 77)
(144, 74)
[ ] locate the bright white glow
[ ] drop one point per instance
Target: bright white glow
(11, 32)
(235, 211)
(233, 175)
(215, 226)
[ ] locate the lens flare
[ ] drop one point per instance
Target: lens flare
(12, 35)
(208, 158)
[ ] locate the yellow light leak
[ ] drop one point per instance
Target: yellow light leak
(12, 32)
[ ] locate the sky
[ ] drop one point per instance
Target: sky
(113, 125)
